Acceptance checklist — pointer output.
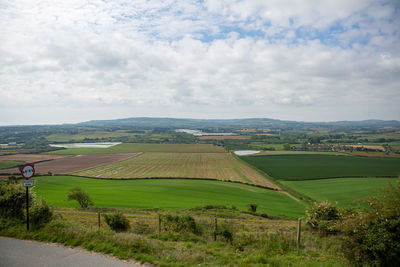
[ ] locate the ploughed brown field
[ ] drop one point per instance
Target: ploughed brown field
(223, 137)
(31, 157)
(71, 164)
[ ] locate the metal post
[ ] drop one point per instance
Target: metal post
(298, 232)
(27, 208)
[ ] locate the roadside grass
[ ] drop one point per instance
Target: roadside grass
(218, 166)
(143, 147)
(306, 167)
(256, 241)
(170, 194)
(344, 191)
(5, 164)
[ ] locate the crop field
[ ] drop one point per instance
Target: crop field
(219, 166)
(142, 147)
(342, 190)
(74, 163)
(304, 167)
(166, 194)
(30, 157)
(5, 164)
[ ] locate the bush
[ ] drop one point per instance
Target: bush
(40, 214)
(253, 207)
(117, 221)
(225, 232)
(83, 198)
(372, 236)
(180, 224)
(322, 217)
(13, 201)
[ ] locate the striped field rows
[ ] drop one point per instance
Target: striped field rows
(220, 166)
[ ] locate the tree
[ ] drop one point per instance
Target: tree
(76, 193)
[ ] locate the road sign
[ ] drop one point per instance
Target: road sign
(27, 171)
(27, 183)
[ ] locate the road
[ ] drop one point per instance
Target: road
(14, 252)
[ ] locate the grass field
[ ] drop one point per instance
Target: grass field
(5, 164)
(141, 147)
(166, 194)
(342, 190)
(220, 166)
(303, 167)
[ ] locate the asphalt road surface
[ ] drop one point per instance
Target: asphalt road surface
(14, 252)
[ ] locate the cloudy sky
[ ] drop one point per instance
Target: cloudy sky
(71, 61)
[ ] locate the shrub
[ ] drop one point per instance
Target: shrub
(180, 224)
(13, 201)
(76, 193)
(225, 231)
(117, 221)
(40, 213)
(372, 236)
(253, 207)
(323, 216)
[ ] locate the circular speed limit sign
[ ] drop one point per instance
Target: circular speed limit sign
(27, 171)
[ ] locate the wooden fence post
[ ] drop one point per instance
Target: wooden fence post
(298, 232)
(98, 216)
(215, 228)
(159, 223)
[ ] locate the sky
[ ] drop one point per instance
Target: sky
(72, 61)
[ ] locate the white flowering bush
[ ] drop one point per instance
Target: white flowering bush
(322, 217)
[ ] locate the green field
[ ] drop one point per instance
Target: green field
(220, 166)
(142, 147)
(166, 194)
(303, 167)
(342, 190)
(5, 164)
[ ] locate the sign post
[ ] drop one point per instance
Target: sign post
(27, 172)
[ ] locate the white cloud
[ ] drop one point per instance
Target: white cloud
(92, 60)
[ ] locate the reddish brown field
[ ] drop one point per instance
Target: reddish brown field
(75, 163)
(221, 137)
(267, 134)
(31, 157)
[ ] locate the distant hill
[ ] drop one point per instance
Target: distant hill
(253, 123)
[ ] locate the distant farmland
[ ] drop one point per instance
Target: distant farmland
(142, 147)
(303, 167)
(220, 166)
